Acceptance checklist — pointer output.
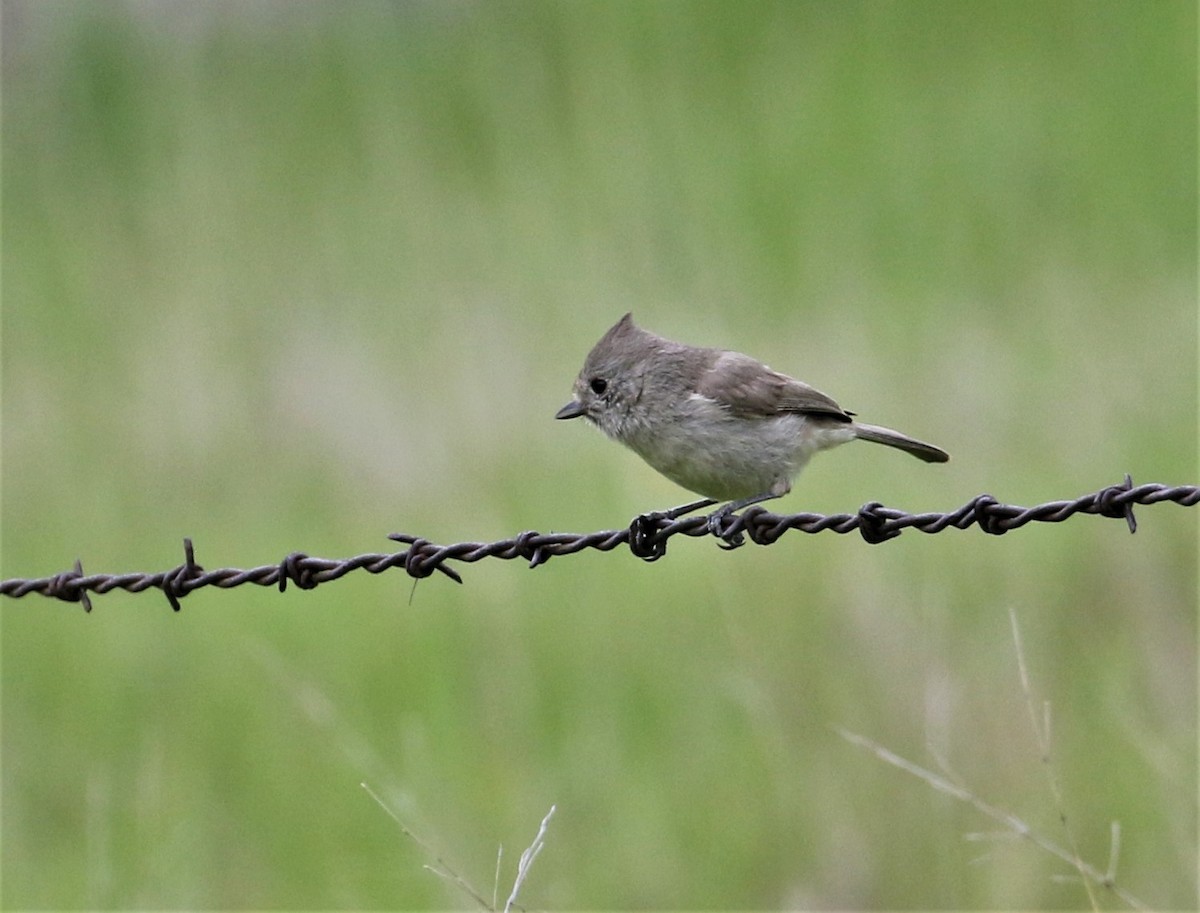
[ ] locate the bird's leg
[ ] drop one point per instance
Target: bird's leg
(676, 512)
(646, 521)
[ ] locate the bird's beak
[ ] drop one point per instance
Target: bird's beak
(573, 409)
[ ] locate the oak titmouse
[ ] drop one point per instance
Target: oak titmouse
(716, 422)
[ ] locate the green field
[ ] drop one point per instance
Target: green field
(292, 276)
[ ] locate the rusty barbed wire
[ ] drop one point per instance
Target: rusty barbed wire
(646, 537)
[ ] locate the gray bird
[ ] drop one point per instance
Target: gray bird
(715, 422)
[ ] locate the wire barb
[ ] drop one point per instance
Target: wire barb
(175, 582)
(65, 586)
(527, 547)
(646, 537)
(1114, 502)
(871, 520)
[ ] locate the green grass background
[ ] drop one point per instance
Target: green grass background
(290, 276)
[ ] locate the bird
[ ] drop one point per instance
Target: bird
(715, 422)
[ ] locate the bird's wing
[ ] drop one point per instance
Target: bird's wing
(748, 388)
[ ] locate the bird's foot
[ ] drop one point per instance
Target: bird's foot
(721, 525)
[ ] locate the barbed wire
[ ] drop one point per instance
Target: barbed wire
(646, 537)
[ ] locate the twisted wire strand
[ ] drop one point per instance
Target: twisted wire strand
(646, 537)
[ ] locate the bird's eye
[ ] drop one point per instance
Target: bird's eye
(598, 385)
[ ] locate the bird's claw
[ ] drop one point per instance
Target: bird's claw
(721, 523)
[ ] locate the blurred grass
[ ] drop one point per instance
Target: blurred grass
(291, 276)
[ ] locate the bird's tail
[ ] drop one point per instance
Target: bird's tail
(887, 436)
